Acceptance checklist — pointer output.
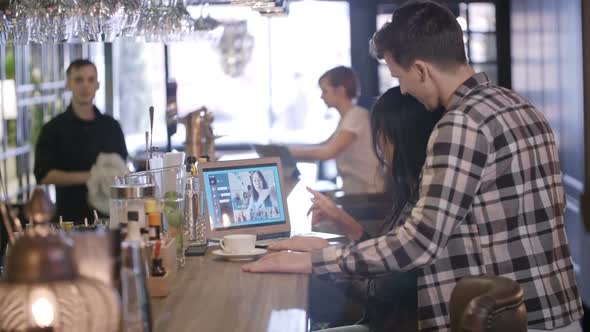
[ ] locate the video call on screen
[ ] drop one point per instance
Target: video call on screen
(244, 197)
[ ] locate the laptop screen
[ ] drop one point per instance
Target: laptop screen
(244, 196)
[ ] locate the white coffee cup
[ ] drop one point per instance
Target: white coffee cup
(238, 243)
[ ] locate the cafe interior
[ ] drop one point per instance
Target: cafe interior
(207, 94)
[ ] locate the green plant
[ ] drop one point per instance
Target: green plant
(9, 63)
(11, 132)
(37, 123)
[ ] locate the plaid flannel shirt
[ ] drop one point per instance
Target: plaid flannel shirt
(491, 202)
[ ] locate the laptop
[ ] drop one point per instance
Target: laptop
(248, 197)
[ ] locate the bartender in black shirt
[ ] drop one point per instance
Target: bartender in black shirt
(70, 143)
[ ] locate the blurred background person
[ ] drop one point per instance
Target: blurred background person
(70, 143)
(350, 144)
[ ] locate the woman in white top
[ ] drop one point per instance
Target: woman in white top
(350, 144)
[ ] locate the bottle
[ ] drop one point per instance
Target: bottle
(157, 266)
(194, 226)
(191, 201)
(154, 220)
(155, 224)
(135, 302)
(200, 236)
(134, 235)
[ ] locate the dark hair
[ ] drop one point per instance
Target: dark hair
(264, 184)
(79, 63)
(421, 30)
(406, 124)
(343, 76)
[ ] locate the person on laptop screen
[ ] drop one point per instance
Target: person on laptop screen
(263, 201)
(350, 144)
(243, 196)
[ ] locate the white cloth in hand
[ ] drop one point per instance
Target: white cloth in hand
(102, 176)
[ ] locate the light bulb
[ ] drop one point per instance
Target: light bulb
(42, 307)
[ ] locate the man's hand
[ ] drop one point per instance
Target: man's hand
(300, 243)
(284, 261)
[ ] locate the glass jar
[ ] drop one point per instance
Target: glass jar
(129, 197)
(170, 183)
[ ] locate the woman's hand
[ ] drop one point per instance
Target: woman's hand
(324, 208)
(300, 243)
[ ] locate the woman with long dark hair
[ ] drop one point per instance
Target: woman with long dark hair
(401, 127)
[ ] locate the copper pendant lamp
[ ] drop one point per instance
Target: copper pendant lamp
(42, 289)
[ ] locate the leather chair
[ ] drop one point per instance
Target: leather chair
(487, 304)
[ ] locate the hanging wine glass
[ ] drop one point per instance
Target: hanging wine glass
(171, 21)
(187, 22)
(53, 20)
(151, 21)
(132, 9)
(103, 19)
(205, 22)
(4, 28)
(20, 11)
(206, 27)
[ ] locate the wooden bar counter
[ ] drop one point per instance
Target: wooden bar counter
(211, 294)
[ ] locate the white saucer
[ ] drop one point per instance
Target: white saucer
(241, 256)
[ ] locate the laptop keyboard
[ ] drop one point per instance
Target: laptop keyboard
(272, 236)
(264, 240)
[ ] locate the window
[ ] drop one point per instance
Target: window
(478, 22)
(260, 79)
(479, 30)
(138, 83)
(33, 75)
(385, 80)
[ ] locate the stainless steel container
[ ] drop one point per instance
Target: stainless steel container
(129, 197)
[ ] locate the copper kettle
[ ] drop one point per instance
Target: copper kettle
(199, 133)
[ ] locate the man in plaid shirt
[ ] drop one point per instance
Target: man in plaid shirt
(491, 198)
